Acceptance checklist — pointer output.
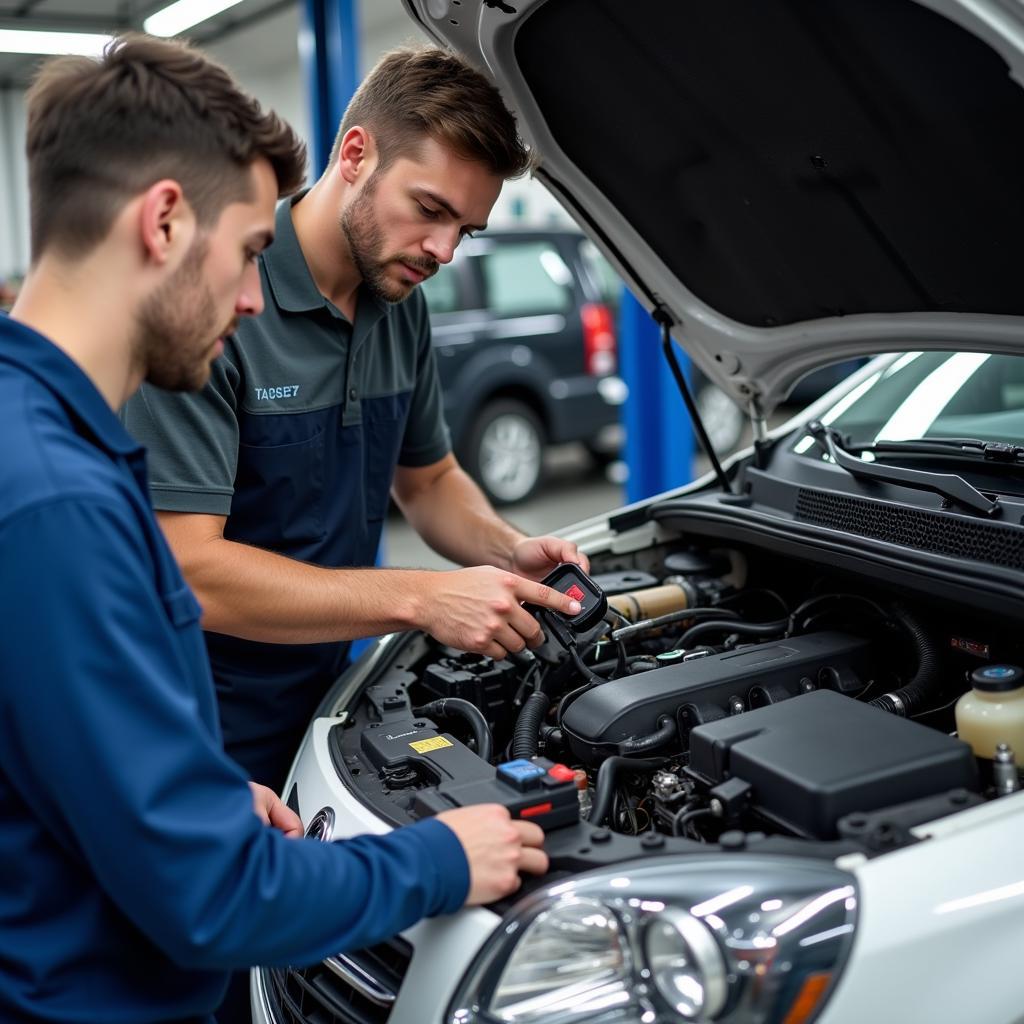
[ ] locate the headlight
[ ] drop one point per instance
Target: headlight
(738, 940)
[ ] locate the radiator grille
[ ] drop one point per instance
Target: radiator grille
(318, 995)
(914, 528)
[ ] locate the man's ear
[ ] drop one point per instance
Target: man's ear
(166, 222)
(357, 154)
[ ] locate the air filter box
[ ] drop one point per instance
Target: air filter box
(815, 758)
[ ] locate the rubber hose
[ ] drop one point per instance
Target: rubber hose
(911, 698)
(697, 614)
(604, 788)
(449, 707)
(526, 736)
(665, 733)
(720, 626)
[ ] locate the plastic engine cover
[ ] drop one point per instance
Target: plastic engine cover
(815, 758)
(704, 689)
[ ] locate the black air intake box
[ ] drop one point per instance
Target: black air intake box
(818, 757)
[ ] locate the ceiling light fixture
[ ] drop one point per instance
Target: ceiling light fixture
(84, 44)
(177, 17)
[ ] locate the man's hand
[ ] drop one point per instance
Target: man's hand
(497, 849)
(480, 610)
(271, 810)
(535, 557)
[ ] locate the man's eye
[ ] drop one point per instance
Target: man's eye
(426, 211)
(251, 255)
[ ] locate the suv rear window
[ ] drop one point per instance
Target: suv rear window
(526, 277)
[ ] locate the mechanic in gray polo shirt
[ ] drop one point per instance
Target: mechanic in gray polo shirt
(273, 482)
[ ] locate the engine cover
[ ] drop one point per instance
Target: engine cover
(704, 689)
(816, 758)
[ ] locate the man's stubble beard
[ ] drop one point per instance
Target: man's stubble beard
(177, 328)
(366, 246)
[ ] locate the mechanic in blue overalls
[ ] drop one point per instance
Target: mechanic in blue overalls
(139, 866)
(272, 484)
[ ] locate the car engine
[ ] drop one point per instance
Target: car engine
(726, 697)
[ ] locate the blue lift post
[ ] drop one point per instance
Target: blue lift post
(660, 446)
(329, 50)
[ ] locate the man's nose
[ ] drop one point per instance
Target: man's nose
(250, 297)
(442, 243)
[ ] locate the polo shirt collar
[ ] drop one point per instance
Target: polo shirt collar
(293, 286)
(34, 353)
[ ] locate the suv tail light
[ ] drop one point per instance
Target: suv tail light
(600, 354)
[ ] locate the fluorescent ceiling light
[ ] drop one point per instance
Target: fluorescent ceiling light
(184, 14)
(85, 44)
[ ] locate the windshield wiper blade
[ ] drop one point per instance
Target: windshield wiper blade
(948, 485)
(966, 447)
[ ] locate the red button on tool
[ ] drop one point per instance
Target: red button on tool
(532, 812)
(561, 773)
(575, 593)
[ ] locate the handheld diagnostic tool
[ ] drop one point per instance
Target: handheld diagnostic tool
(571, 580)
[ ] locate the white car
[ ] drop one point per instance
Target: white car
(759, 805)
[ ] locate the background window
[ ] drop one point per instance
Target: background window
(526, 278)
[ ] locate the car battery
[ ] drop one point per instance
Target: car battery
(447, 774)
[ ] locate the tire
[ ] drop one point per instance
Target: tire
(504, 450)
(723, 419)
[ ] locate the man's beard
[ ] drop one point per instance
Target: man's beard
(177, 328)
(366, 245)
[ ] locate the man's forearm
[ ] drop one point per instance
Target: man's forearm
(259, 595)
(455, 518)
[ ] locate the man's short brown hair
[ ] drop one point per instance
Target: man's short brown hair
(415, 92)
(101, 131)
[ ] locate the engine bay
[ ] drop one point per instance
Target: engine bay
(727, 697)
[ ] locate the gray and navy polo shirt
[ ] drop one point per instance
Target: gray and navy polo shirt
(296, 439)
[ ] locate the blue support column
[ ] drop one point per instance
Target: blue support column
(329, 50)
(660, 445)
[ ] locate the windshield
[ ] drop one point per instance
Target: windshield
(933, 394)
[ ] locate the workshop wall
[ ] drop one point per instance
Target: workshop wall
(265, 59)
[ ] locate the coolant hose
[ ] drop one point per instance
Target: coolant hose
(726, 626)
(449, 707)
(910, 699)
(526, 736)
(607, 776)
(643, 744)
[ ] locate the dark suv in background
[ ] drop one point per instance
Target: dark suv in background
(524, 326)
(525, 329)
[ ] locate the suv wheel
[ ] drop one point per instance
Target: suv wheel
(504, 450)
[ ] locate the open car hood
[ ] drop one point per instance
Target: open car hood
(794, 182)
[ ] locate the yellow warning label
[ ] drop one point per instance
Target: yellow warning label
(435, 743)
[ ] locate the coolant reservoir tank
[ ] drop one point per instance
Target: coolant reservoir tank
(992, 711)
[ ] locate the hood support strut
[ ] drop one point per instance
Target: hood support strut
(664, 321)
